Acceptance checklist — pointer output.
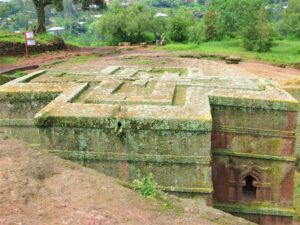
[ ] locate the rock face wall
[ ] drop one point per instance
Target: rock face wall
(253, 161)
(228, 140)
(16, 48)
(295, 92)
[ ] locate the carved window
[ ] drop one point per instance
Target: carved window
(249, 189)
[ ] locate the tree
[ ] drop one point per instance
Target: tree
(126, 24)
(58, 5)
(257, 31)
(165, 3)
(210, 25)
(196, 33)
(177, 29)
(159, 26)
(290, 21)
(40, 10)
(178, 25)
(264, 30)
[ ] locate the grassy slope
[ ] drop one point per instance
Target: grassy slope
(8, 59)
(7, 36)
(284, 52)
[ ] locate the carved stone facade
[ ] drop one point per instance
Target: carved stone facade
(228, 139)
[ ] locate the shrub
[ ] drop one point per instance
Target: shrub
(178, 24)
(196, 33)
(177, 29)
(146, 185)
(210, 21)
(125, 24)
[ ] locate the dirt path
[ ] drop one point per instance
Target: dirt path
(40, 189)
(280, 75)
(48, 57)
(44, 58)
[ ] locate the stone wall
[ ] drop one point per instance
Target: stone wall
(257, 143)
(199, 135)
(17, 48)
(295, 92)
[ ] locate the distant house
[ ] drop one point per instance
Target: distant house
(93, 6)
(161, 15)
(56, 30)
(125, 4)
(96, 16)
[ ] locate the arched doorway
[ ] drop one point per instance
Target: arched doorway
(249, 189)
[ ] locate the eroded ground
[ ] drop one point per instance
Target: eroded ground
(40, 189)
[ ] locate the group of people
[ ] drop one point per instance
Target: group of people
(160, 40)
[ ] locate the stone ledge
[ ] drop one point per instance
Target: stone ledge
(256, 209)
(17, 122)
(205, 191)
(225, 152)
(252, 102)
(98, 156)
(187, 190)
(255, 131)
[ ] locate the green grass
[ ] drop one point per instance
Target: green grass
(8, 36)
(83, 59)
(283, 52)
(83, 41)
(19, 74)
(8, 60)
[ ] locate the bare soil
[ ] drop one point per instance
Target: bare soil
(281, 75)
(44, 58)
(40, 189)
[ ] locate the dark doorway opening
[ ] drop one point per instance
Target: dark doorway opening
(249, 190)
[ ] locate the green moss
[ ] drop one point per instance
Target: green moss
(8, 60)
(54, 63)
(297, 196)
(160, 159)
(83, 59)
(225, 152)
(160, 70)
(21, 97)
(134, 123)
(19, 74)
(254, 103)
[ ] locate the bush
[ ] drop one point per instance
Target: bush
(125, 24)
(146, 185)
(196, 33)
(178, 25)
(177, 30)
